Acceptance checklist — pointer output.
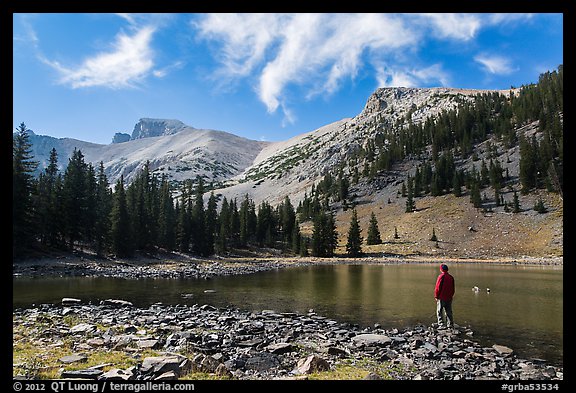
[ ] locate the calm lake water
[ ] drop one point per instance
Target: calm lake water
(523, 310)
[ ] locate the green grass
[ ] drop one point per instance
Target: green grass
(357, 369)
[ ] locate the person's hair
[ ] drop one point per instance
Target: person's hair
(444, 267)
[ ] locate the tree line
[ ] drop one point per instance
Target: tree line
(78, 209)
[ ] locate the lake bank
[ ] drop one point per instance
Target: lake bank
(173, 265)
(115, 340)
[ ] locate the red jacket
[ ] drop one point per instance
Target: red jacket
(444, 287)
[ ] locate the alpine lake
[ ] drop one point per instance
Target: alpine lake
(523, 308)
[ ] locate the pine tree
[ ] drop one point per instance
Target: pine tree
(354, 243)
(198, 217)
(373, 231)
(515, 204)
(183, 217)
(75, 198)
(287, 217)
(23, 185)
(433, 238)
(121, 235)
(539, 206)
(211, 224)
(103, 208)
(47, 206)
(475, 196)
(324, 235)
(248, 221)
(167, 217)
(223, 227)
(296, 238)
(304, 246)
(410, 204)
(528, 164)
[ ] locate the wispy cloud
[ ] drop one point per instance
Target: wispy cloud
(411, 77)
(316, 51)
(452, 26)
(128, 62)
(495, 64)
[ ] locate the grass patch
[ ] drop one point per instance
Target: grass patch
(357, 369)
(37, 357)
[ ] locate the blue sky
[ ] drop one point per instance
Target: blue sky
(261, 76)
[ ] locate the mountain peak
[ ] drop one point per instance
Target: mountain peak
(147, 127)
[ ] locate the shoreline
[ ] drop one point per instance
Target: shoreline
(117, 341)
(174, 265)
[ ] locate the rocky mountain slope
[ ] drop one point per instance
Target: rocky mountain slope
(270, 171)
(293, 166)
(172, 148)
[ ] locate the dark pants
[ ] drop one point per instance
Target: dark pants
(444, 307)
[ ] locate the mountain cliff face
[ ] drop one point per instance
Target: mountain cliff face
(147, 128)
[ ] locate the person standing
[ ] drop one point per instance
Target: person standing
(443, 294)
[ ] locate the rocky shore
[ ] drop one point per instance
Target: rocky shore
(174, 265)
(116, 341)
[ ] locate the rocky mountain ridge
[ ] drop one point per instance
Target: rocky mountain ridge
(170, 146)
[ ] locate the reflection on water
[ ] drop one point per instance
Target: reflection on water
(523, 310)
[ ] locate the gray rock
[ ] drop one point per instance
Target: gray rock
(116, 374)
(311, 364)
(502, 350)
(158, 365)
(372, 339)
(148, 344)
(280, 348)
(77, 357)
(117, 303)
(70, 301)
(262, 361)
(83, 328)
(82, 374)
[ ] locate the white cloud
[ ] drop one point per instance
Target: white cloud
(244, 38)
(316, 51)
(128, 62)
(403, 77)
(507, 18)
(453, 26)
(495, 64)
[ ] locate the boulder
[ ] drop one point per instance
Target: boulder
(116, 374)
(77, 357)
(117, 303)
(158, 365)
(70, 301)
(372, 339)
(311, 364)
(262, 361)
(502, 350)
